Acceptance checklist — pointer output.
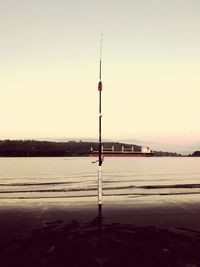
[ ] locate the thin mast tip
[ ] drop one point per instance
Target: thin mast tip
(101, 44)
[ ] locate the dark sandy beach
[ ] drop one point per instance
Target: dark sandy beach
(151, 231)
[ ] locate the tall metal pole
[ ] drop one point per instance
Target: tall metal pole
(100, 142)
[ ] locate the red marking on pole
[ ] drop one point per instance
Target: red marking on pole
(100, 86)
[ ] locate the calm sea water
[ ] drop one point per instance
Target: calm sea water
(37, 178)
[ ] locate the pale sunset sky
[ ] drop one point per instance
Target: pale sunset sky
(151, 61)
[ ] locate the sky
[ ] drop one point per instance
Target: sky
(49, 64)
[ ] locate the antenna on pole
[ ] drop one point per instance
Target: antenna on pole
(101, 43)
(100, 193)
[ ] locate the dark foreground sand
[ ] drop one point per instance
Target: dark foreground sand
(151, 231)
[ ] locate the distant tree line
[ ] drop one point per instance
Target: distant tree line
(195, 154)
(34, 148)
(166, 154)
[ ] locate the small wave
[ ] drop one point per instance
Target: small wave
(93, 188)
(169, 194)
(78, 189)
(170, 186)
(107, 181)
(37, 184)
(45, 197)
(94, 195)
(48, 190)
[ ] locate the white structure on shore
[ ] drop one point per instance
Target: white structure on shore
(145, 149)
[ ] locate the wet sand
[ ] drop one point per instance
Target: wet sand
(133, 231)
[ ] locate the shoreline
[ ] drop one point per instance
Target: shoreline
(160, 211)
(149, 231)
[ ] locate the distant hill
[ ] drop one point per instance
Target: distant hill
(34, 148)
